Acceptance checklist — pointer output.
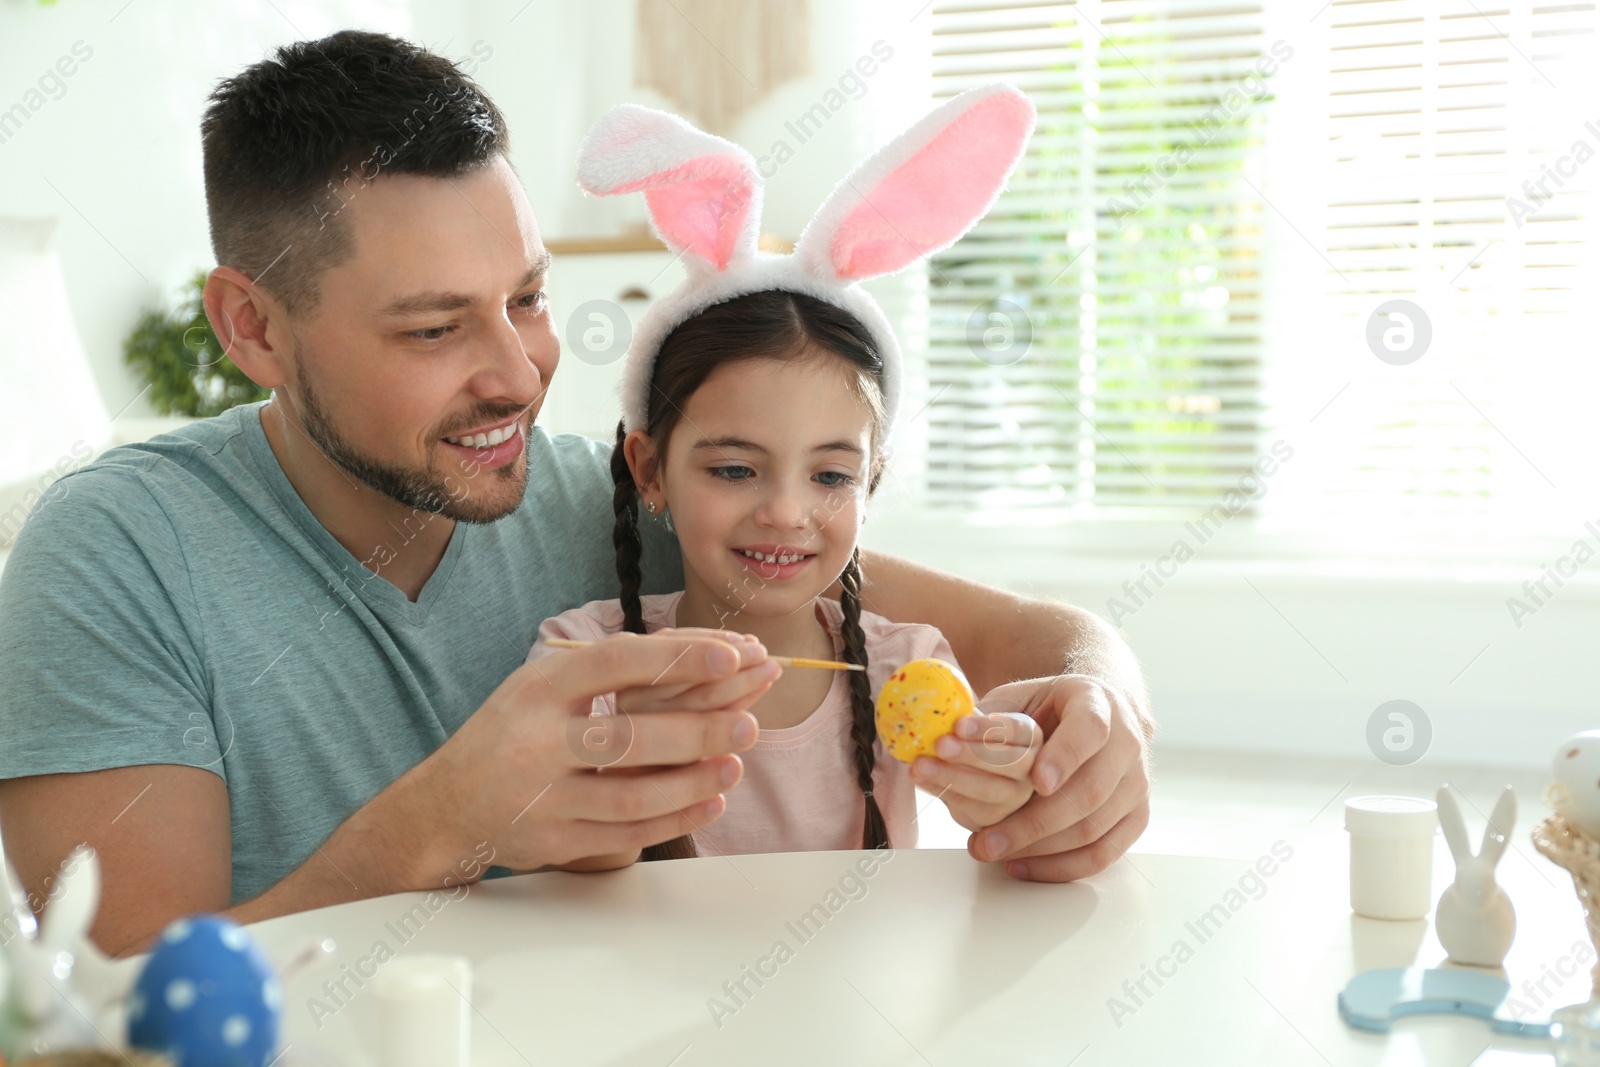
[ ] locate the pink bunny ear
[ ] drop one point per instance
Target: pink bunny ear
(704, 193)
(921, 191)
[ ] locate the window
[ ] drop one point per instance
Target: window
(1363, 234)
(1095, 344)
(1445, 177)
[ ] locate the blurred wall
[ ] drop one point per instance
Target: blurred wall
(113, 149)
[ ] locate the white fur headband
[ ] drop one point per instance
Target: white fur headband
(913, 197)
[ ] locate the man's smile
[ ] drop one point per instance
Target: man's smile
(493, 446)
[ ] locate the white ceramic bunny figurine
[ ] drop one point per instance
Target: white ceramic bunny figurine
(55, 971)
(1475, 920)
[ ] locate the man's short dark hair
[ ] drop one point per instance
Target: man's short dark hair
(290, 140)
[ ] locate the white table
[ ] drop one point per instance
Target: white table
(940, 960)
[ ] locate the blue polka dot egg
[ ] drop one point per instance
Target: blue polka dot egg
(207, 997)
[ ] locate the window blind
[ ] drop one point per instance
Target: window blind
(1447, 176)
(1095, 344)
(1193, 260)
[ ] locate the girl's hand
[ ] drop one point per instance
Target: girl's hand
(725, 694)
(984, 766)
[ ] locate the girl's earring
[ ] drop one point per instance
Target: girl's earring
(651, 504)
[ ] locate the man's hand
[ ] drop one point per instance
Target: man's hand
(522, 773)
(1087, 692)
(517, 785)
(728, 694)
(982, 772)
(1092, 779)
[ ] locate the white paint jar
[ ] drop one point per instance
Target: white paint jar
(425, 1011)
(1391, 855)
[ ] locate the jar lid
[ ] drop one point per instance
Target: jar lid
(1391, 816)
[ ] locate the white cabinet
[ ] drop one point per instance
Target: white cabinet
(597, 299)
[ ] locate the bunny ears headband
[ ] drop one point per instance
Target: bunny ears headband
(913, 197)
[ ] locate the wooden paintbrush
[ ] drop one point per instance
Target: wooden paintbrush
(786, 661)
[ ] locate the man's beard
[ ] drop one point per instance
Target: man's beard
(422, 490)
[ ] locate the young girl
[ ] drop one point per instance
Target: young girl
(759, 399)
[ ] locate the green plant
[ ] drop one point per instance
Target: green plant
(187, 368)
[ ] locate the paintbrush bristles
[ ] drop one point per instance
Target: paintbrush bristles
(825, 664)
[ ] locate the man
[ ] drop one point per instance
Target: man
(275, 661)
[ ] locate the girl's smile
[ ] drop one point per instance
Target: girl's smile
(775, 561)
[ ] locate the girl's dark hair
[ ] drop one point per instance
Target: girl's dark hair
(773, 324)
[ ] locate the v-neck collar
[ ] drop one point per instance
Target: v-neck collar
(378, 591)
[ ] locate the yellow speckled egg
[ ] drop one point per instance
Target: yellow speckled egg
(920, 703)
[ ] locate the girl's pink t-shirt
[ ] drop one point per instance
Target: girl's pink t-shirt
(799, 791)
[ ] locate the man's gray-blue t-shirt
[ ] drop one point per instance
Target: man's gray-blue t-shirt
(175, 602)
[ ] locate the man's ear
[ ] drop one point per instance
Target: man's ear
(639, 449)
(249, 324)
